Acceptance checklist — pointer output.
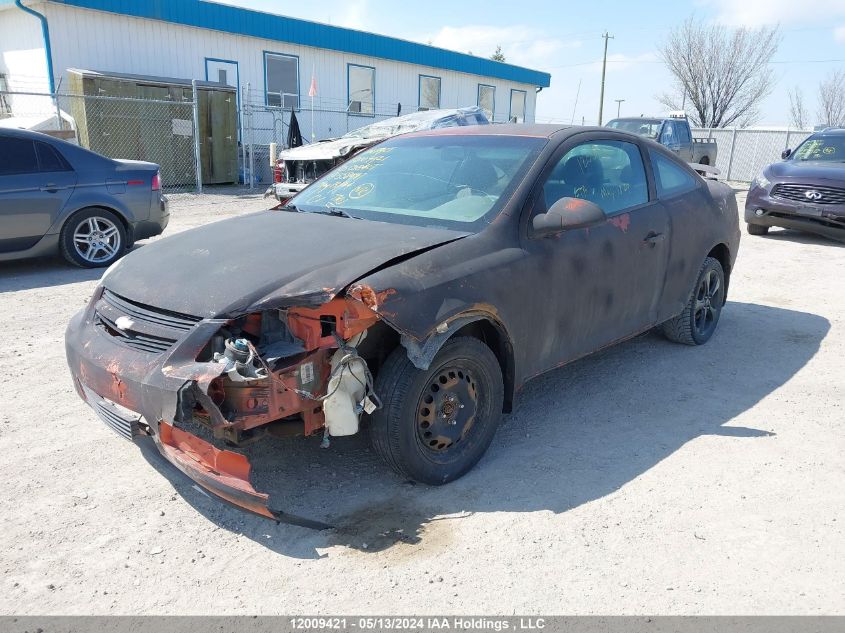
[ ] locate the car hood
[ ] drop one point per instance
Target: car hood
(262, 260)
(817, 170)
(325, 150)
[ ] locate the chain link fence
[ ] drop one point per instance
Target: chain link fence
(262, 125)
(160, 132)
(743, 153)
(163, 131)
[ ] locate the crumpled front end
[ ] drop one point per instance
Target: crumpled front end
(201, 388)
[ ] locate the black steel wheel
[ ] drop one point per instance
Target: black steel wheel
(696, 324)
(437, 423)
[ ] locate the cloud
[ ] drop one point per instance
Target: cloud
(521, 45)
(787, 12)
(839, 33)
(355, 15)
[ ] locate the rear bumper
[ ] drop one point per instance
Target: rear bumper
(158, 220)
(137, 395)
(827, 220)
(285, 190)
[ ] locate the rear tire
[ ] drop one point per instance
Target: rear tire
(436, 424)
(93, 238)
(756, 229)
(696, 324)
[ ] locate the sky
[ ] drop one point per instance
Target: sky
(564, 38)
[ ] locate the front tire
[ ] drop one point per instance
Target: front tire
(92, 238)
(756, 229)
(436, 424)
(696, 324)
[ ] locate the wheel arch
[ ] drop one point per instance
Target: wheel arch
(483, 327)
(722, 254)
(127, 225)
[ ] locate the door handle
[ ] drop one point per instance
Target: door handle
(50, 188)
(653, 239)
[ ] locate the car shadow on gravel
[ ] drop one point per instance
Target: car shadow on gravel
(799, 237)
(43, 272)
(577, 434)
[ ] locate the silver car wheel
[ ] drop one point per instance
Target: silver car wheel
(96, 239)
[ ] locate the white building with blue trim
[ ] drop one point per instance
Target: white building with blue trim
(358, 74)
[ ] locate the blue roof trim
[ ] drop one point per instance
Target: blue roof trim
(221, 17)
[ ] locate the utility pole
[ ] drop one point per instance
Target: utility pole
(618, 106)
(606, 36)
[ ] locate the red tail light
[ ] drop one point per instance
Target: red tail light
(157, 181)
(279, 171)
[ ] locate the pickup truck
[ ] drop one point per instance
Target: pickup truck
(674, 132)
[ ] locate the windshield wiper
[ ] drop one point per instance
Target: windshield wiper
(340, 213)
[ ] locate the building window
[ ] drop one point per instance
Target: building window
(487, 100)
(517, 113)
(429, 92)
(281, 80)
(361, 87)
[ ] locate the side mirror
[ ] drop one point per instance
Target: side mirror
(566, 214)
(786, 153)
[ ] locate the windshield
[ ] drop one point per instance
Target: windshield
(457, 182)
(650, 128)
(821, 148)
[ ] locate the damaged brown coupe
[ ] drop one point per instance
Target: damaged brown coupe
(415, 288)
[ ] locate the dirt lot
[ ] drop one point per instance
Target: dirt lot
(650, 478)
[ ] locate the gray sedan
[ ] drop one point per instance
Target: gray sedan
(59, 197)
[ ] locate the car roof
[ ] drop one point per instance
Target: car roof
(19, 133)
(536, 130)
(831, 131)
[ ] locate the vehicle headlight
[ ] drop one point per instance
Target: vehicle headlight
(761, 181)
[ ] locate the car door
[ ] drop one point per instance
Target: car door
(603, 283)
(669, 137)
(35, 184)
(684, 140)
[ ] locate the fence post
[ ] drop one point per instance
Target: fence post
(243, 131)
(251, 140)
(196, 109)
(731, 156)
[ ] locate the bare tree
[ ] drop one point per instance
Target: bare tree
(723, 74)
(798, 117)
(832, 100)
(498, 55)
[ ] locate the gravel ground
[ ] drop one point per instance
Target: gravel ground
(649, 478)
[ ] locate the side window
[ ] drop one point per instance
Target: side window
(429, 90)
(281, 80)
(17, 156)
(683, 133)
(49, 159)
(608, 173)
(668, 135)
(671, 178)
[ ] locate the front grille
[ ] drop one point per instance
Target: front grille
(149, 329)
(121, 420)
(124, 427)
(817, 195)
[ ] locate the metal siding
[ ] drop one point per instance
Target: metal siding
(291, 30)
(98, 40)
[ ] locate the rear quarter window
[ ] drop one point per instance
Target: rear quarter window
(671, 179)
(49, 159)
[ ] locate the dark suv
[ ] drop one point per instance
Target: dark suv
(805, 191)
